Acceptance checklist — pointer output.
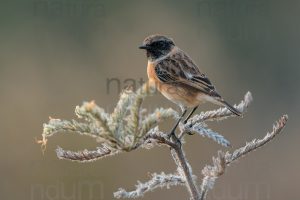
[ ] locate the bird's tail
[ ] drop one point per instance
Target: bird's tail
(230, 107)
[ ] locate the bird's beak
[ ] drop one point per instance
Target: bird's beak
(144, 47)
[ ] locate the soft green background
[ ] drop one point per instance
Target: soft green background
(55, 54)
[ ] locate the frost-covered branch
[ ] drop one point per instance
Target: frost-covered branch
(221, 113)
(211, 173)
(197, 123)
(85, 155)
(157, 181)
(255, 144)
(185, 170)
(121, 130)
(201, 129)
(130, 127)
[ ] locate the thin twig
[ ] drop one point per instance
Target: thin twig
(255, 144)
(184, 166)
(211, 173)
(158, 180)
(154, 136)
(222, 113)
(201, 129)
(85, 155)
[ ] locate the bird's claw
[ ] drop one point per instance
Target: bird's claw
(174, 138)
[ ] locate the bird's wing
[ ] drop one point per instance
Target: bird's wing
(180, 69)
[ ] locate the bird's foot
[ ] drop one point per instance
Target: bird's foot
(174, 138)
(170, 134)
(189, 133)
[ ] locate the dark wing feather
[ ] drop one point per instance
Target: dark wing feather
(180, 69)
(165, 75)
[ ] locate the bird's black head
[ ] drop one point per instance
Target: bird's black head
(157, 46)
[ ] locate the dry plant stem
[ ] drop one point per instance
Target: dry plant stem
(255, 144)
(219, 114)
(85, 155)
(157, 180)
(212, 173)
(127, 129)
(182, 163)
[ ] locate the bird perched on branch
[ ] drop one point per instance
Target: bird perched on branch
(178, 78)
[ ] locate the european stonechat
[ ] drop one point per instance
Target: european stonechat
(178, 78)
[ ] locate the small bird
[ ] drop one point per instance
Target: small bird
(178, 78)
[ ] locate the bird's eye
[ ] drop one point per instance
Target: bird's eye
(162, 44)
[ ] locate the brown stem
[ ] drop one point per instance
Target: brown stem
(182, 163)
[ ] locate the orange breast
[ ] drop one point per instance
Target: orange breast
(151, 71)
(177, 94)
(153, 80)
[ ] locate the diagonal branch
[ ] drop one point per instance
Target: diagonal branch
(255, 144)
(93, 113)
(201, 129)
(195, 122)
(221, 113)
(154, 137)
(211, 173)
(158, 180)
(57, 126)
(185, 171)
(85, 155)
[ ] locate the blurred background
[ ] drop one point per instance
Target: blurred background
(55, 54)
